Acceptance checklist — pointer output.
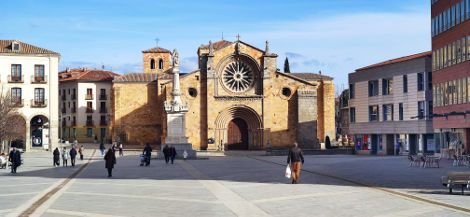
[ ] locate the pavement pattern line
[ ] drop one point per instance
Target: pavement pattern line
(142, 185)
(411, 212)
(45, 198)
(389, 191)
(29, 184)
(17, 194)
(75, 213)
(302, 196)
(144, 197)
(237, 204)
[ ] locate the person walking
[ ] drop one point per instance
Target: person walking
(80, 151)
(102, 148)
(56, 157)
(147, 153)
(65, 157)
(73, 155)
(172, 154)
(110, 160)
(166, 153)
(121, 153)
(15, 159)
(296, 160)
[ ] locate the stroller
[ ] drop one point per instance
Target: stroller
(142, 160)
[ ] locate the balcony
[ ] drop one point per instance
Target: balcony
(88, 96)
(90, 123)
(38, 79)
(38, 103)
(103, 122)
(89, 110)
(17, 103)
(15, 79)
(74, 110)
(103, 97)
(64, 110)
(103, 110)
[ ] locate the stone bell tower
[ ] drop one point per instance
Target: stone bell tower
(156, 60)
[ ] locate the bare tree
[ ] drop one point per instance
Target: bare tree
(8, 123)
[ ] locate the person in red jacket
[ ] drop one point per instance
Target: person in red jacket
(296, 160)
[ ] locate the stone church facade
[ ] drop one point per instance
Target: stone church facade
(237, 100)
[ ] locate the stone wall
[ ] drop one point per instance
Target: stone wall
(166, 57)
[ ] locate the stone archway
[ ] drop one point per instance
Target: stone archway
(39, 131)
(16, 134)
(239, 127)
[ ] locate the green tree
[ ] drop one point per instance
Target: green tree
(286, 66)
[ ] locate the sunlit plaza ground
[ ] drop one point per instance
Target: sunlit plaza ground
(240, 184)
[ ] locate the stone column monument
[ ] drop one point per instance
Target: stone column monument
(175, 116)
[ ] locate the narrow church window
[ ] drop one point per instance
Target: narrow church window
(286, 92)
(152, 64)
(192, 92)
(160, 64)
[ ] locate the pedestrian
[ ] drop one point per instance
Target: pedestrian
(56, 158)
(397, 148)
(73, 154)
(65, 157)
(166, 153)
(147, 153)
(15, 159)
(172, 154)
(296, 160)
(80, 151)
(121, 153)
(102, 148)
(110, 160)
(114, 147)
(3, 161)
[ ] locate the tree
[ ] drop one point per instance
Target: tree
(8, 118)
(286, 66)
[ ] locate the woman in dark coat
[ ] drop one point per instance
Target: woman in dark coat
(110, 160)
(56, 159)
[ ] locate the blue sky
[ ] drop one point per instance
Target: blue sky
(335, 36)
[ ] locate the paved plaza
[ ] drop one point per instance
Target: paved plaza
(240, 184)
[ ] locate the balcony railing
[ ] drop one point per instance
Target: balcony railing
(90, 123)
(15, 79)
(18, 103)
(103, 122)
(103, 110)
(88, 96)
(38, 103)
(103, 97)
(39, 79)
(89, 110)
(74, 110)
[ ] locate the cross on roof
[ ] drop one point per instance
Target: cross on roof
(238, 37)
(156, 41)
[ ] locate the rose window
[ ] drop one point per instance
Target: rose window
(238, 76)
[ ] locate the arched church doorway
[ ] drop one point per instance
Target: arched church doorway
(16, 131)
(39, 130)
(237, 135)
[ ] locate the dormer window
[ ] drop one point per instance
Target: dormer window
(15, 46)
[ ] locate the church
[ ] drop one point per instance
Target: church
(237, 99)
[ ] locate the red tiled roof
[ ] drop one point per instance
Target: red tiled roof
(156, 50)
(137, 77)
(86, 75)
(218, 44)
(397, 60)
(6, 47)
(310, 76)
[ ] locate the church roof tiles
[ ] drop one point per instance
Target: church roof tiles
(308, 76)
(86, 75)
(156, 50)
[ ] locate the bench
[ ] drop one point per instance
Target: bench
(456, 179)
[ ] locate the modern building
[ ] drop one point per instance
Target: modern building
(85, 103)
(450, 28)
(237, 99)
(29, 73)
(391, 103)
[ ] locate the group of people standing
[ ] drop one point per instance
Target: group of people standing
(169, 153)
(66, 155)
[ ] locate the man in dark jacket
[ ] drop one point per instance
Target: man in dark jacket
(172, 154)
(166, 153)
(110, 160)
(147, 153)
(56, 158)
(73, 154)
(15, 159)
(296, 160)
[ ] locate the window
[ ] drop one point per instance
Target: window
(351, 91)
(387, 86)
(373, 88)
(421, 110)
(103, 107)
(103, 132)
(39, 72)
(152, 64)
(429, 76)
(405, 83)
(89, 132)
(89, 91)
(400, 111)
(15, 46)
(160, 64)
(89, 105)
(430, 106)
(286, 92)
(16, 94)
(352, 115)
(16, 71)
(374, 113)
(420, 81)
(387, 112)
(39, 95)
(103, 94)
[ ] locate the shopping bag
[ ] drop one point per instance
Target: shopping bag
(288, 172)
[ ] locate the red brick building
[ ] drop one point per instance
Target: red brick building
(450, 27)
